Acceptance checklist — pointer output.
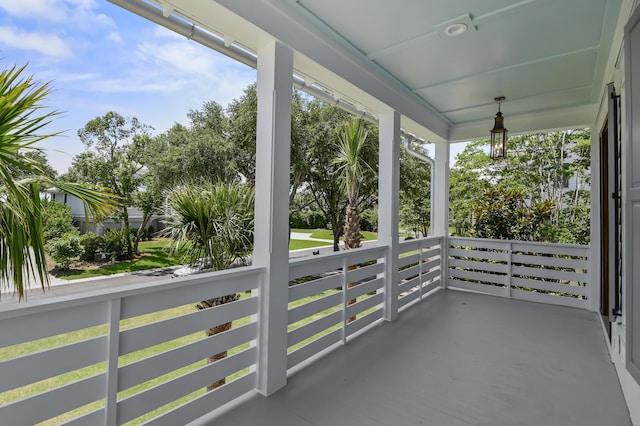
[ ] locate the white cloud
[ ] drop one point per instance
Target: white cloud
(181, 56)
(135, 84)
(75, 77)
(47, 44)
(114, 37)
(79, 13)
(162, 32)
(53, 10)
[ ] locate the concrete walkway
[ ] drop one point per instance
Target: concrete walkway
(305, 236)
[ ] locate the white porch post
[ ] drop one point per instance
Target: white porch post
(440, 194)
(388, 205)
(274, 87)
(595, 254)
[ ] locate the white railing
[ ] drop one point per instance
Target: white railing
(420, 269)
(540, 272)
(331, 298)
(140, 353)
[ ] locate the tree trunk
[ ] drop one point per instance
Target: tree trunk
(127, 232)
(206, 304)
(138, 236)
(335, 229)
(352, 226)
(352, 239)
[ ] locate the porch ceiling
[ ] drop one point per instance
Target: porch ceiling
(550, 58)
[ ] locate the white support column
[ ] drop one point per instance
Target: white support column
(440, 191)
(595, 254)
(271, 241)
(440, 194)
(388, 205)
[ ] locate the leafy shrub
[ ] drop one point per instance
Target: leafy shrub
(306, 220)
(56, 220)
(504, 213)
(62, 250)
(116, 244)
(315, 220)
(369, 221)
(297, 220)
(91, 244)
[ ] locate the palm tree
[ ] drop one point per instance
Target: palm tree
(215, 222)
(353, 167)
(22, 254)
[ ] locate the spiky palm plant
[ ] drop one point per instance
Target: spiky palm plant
(22, 254)
(212, 221)
(353, 167)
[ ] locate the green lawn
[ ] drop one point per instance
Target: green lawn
(153, 255)
(302, 244)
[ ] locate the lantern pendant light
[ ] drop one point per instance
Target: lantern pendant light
(499, 134)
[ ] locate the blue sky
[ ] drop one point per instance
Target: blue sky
(100, 57)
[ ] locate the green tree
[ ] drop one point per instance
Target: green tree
(21, 230)
(215, 222)
(56, 220)
(199, 151)
(538, 166)
(241, 129)
(63, 249)
(467, 181)
(415, 192)
(39, 158)
(503, 213)
(322, 131)
(114, 159)
(353, 168)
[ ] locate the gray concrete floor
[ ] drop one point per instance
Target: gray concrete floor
(456, 359)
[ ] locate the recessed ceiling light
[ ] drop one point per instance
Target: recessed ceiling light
(455, 29)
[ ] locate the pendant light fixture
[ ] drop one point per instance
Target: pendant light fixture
(499, 134)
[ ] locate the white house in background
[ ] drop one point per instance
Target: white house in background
(80, 220)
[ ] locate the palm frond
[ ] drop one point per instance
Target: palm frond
(213, 221)
(351, 164)
(22, 255)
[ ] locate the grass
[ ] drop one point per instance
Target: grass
(303, 244)
(152, 255)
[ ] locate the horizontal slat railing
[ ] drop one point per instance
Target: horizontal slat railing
(320, 290)
(56, 351)
(420, 269)
(541, 272)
